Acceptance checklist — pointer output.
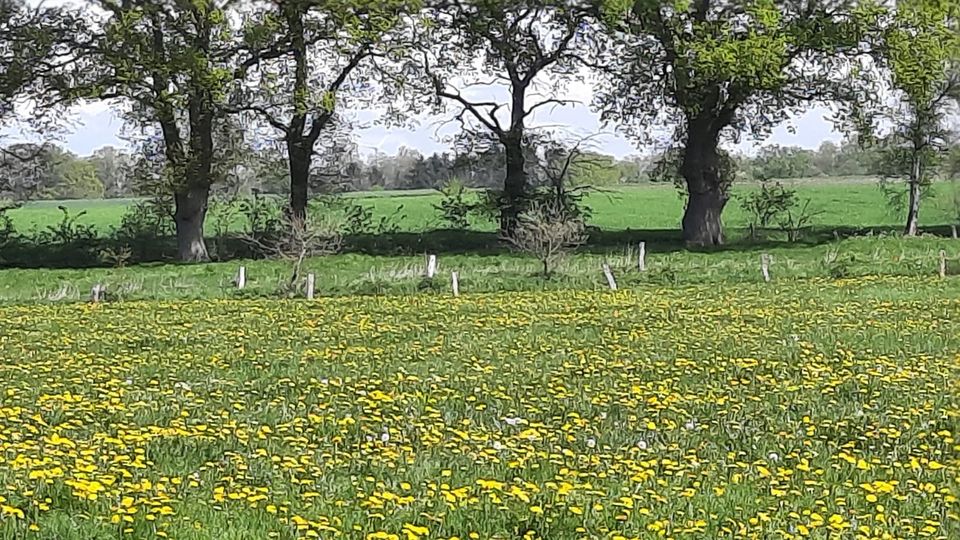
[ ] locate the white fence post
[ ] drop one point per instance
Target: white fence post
(642, 257)
(241, 278)
(455, 282)
(609, 275)
(97, 293)
(943, 264)
(431, 266)
(765, 266)
(311, 283)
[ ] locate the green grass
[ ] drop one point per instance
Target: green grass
(851, 203)
(793, 409)
(357, 274)
(394, 264)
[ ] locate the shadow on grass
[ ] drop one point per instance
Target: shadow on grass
(90, 253)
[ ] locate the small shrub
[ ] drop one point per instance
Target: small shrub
(796, 219)
(835, 266)
(222, 214)
(547, 232)
(298, 239)
(767, 205)
(776, 204)
(143, 224)
(67, 231)
(8, 233)
(456, 204)
(428, 284)
(359, 219)
(116, 257)
(263, 217)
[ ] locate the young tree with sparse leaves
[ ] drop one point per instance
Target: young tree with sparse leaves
(906, 114)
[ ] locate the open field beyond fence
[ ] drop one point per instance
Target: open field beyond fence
(849, 203)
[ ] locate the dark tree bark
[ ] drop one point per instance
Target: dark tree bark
(913, 210)
(299, 158)
(706, 188)
(189, 217)
(702, 225)
(515, 184)
(299, 145)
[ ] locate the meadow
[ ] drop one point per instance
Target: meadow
(814, 409)
(855, 202)
(394, 264)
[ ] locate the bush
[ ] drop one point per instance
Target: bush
(767, 205)
(263, 217)
(837, 267)
(797, 219)
(8, 233)
(548, 232)
(359, 220)
(222, 214)
(456, 204)
(67, 231)
(296, 239)
(143, 225)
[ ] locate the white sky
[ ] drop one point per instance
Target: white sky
(95, 125)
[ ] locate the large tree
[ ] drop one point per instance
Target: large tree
(167, 62)
(470, 48)
(906, 115)
(34, 44)
(712, 69)
(304, 61)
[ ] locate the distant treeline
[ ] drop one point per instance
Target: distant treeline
(32, 171)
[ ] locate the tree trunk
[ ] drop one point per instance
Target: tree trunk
(913, 211)
(299, 179)
(702, 225)
(192, 195)
(514, 186)
(706, 189)
(189, 216)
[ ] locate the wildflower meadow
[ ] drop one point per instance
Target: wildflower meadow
(814, 409)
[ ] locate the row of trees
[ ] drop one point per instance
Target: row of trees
(193, 75)
(47, 171)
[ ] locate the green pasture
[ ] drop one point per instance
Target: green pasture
(853, 203)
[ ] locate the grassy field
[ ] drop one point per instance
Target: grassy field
(852, 203)
(807, 410)
(394, 264)
(357, 274)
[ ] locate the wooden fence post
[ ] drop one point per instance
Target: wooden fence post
(943, 264)
(642, 257)
(431, 266)
(455, 282)
(765, 267)
(241, 278)
(311, 284)
(609, 275)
